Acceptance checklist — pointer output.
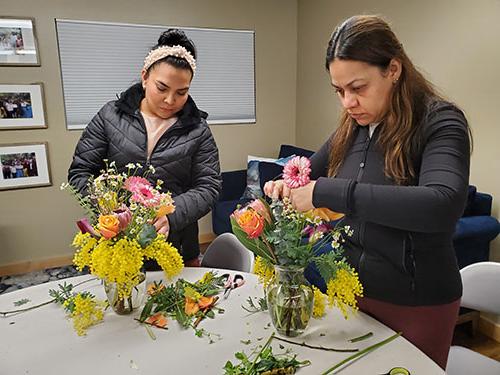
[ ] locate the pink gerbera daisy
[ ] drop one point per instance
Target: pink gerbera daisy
(296, 172)
(135, 183)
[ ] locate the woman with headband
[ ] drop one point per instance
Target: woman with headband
(156, 123)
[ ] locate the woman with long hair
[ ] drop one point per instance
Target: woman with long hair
(397, 166)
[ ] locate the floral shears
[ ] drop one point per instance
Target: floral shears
(232, 282)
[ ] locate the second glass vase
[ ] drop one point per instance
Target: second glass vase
(290, 300)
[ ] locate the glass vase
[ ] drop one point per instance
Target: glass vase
(290, 300)
(125, 305)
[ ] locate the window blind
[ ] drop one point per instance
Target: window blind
(100, 60)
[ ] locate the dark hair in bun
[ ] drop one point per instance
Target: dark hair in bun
(174, 37)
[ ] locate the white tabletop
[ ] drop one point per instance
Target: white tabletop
(42, 341)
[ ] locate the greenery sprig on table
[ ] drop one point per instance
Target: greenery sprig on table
(186, 302)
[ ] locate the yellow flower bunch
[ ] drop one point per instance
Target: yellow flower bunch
(319, 303)
(86, 312)
(343, 289)
(120, 260)
(264, 271)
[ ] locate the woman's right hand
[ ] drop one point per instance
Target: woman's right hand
(276, 189)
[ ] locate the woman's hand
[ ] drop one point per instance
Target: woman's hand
(302, 197)
(162, 225)
(276, 189)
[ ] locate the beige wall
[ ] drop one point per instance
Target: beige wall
(455, 43)
(38, 223)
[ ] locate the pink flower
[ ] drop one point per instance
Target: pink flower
(134, 184)
(124, 216)
(296, 172)
(85, 227)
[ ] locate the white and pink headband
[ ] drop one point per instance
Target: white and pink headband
(164, 51)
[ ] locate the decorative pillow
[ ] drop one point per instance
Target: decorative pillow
(253, 189)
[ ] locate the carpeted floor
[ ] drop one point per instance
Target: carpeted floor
(10, 283)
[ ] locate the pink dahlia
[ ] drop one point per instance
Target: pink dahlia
(296, 172)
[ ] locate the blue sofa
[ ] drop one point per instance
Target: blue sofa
(473, 234)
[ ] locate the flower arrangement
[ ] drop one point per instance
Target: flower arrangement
(118, 235)
(281, 237)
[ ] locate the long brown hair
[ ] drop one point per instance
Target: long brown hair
(370, 39)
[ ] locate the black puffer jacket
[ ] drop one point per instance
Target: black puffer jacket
(402, 243)
(185, 158)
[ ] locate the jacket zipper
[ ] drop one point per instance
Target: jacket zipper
(361, 235)
(409, 264)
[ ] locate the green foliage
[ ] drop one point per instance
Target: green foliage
(21, 302)
(170, 300)
(265, 362)
(146, 235)
(252, 308)
(65, 296)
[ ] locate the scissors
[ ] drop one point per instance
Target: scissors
(232, 282)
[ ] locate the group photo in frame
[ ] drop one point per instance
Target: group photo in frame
(22, 107)
(18, 45)
(24, 165)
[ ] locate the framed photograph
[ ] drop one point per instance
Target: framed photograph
(18, 44)
(21, 107)
(24, 165)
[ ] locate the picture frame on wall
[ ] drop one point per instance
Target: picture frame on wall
(18, 44)
(24, 165)
(22, 107)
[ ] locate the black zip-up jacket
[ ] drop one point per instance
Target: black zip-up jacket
(185, 158)
(402, 242)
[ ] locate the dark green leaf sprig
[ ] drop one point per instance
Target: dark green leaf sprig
(170, 300)
(265, 362)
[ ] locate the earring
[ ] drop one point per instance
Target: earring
(395, 81)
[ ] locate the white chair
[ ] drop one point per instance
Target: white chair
(226, 251)
(481, 283)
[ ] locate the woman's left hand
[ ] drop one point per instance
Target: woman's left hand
(162, 225)
(302, 197)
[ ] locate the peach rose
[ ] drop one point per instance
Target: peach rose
(261, 209)
(250, 222)
(109, 226)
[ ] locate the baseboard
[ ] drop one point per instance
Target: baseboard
(30, 266)
(489, 328)
(35, 265)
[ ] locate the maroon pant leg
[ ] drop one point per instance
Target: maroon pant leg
(429, 328)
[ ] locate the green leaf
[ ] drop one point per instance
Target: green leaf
(254, 245)
(21, 302)
(146, 235)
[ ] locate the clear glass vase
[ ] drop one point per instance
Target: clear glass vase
(290, 300)
(125, 305)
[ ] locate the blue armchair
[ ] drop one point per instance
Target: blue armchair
(475, 229)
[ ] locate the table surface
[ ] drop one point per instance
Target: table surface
(42, 341)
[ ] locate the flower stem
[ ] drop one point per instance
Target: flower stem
(362, 352)
(361, 338)
(258, 354)
(11, 312)
(316, 347)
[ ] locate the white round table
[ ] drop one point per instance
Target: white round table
(42, 341)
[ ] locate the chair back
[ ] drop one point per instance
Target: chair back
(227, 252)
(481, 283)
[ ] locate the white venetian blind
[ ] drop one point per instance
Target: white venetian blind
(100, 60)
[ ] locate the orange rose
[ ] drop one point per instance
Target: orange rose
(250, 222)
(259, 206)
(109, 226)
